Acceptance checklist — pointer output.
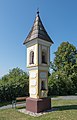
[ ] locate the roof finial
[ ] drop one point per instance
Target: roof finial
(37, 11)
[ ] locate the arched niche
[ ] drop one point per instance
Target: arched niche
(31, 57)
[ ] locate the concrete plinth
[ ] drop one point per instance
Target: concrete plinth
(38, 105)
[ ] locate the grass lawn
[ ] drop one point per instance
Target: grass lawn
(67, 110)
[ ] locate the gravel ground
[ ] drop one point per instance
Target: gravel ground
(36, 114)
(10, 106)
(65, 98)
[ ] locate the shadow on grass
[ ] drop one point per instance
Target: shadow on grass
(56, 108)
(66, 107)
(20, 107)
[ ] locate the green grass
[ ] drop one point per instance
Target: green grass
(66, 110)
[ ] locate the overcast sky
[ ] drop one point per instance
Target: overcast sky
(16, 19)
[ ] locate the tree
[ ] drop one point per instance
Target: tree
(14, 84)
(65, 56)
(59, 84)
(65, 63)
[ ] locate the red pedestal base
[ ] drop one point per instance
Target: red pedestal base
(38, 105)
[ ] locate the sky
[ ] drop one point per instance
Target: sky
(59, 18)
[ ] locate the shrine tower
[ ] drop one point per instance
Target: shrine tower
(38, 45)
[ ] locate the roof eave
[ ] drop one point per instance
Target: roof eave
(26, 41)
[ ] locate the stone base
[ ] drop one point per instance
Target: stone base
(38, 105)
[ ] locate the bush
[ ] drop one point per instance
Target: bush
(60, 84)
(13, 85)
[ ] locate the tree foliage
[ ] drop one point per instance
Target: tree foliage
(65, 56)
(13, 85)
(64, 77)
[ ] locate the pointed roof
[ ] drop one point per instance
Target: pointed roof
(37, 31)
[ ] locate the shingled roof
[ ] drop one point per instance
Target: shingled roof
(38, 31)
